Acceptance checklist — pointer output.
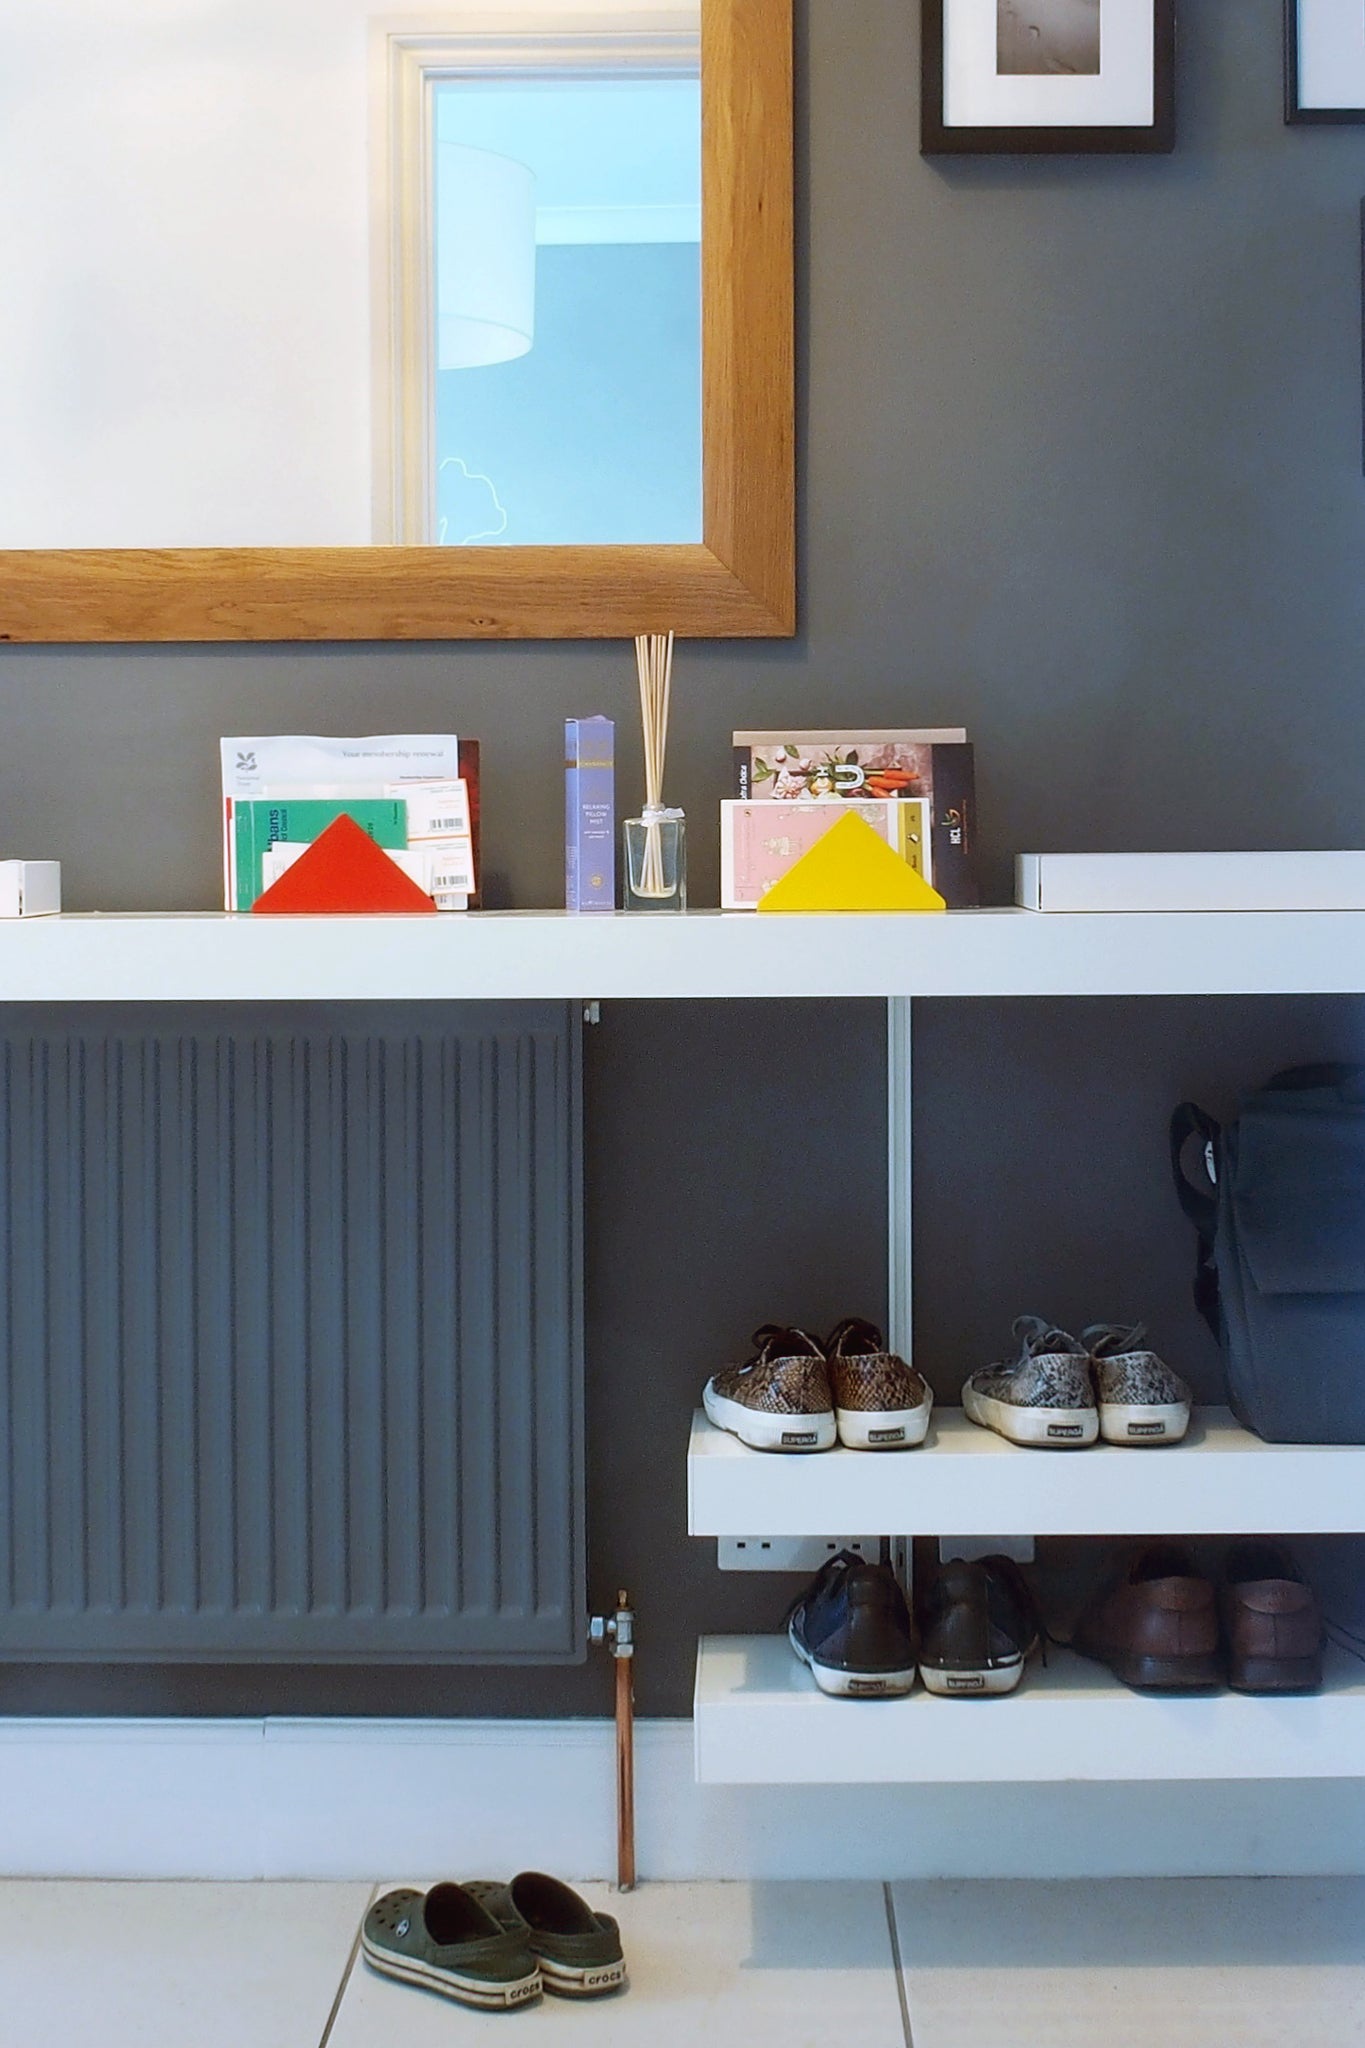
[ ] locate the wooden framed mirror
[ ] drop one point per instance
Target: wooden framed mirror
(738, 582)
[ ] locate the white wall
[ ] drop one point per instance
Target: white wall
(185, 306)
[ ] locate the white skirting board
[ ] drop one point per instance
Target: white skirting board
(375, 1799)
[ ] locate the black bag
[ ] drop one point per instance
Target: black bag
(1279, 1206)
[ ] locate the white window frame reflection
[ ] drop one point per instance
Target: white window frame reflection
(409, 65)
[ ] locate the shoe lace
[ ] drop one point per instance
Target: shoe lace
(1345, 1638)
(1111, 1340)
(833, 1568)
(1036, 1334)
(853, 1334)
(1008, 1569)
(781, 1340)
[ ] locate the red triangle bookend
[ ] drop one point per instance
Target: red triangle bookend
(343, 872)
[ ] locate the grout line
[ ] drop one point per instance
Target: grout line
(896, 1964)
(346, 1973)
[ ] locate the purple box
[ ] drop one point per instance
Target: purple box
(589, 814)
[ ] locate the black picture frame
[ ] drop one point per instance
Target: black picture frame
(1306, 117)
(936, 139)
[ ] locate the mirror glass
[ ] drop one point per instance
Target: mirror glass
(580, 419)
(247, 304)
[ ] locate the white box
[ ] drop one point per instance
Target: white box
(30, 888)
(1190, 881)
(762, 838)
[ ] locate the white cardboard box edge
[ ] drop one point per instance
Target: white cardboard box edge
(30, 888)
(1081, 882)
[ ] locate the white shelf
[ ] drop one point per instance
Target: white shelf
(759, 1720)
(525, 955)
(966, 1481)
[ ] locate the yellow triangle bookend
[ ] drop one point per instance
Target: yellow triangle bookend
(851, 867)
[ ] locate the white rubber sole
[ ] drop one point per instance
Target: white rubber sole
(770, 1432)
(885, 1429)
(1051, 1429)
(1138, 1423)
(598, 1981)
(475, 1991)
(991, 1681)
(855, 1685)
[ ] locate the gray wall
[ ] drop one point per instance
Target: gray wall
(1081, 467)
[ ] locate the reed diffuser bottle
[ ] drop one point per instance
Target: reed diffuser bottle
(655, 843)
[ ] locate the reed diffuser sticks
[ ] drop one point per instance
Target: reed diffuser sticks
(654, 663)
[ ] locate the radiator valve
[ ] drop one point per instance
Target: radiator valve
(616, 1630)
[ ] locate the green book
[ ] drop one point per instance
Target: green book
(258, 822)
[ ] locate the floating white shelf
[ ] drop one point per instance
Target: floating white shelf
(966, 1481)
(759, 1720)
(526, 955)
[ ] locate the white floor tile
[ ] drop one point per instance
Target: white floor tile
(711, 1966)
(1199, 1963)
(172, 1965)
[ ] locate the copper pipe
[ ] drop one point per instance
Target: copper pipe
(625, 1744)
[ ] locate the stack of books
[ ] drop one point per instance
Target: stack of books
(916, 787)
(415, 794)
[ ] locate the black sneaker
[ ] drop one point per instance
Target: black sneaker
(853, 1628)
(979, 1625)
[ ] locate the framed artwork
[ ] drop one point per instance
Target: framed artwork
(1048, 77)
(1324, 62)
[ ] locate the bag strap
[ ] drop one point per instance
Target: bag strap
(1199, 1203)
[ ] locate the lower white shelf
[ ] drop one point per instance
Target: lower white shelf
(759, 1720)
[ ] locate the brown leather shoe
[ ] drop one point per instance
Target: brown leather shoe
(1272, 1622)
(1157, 1629)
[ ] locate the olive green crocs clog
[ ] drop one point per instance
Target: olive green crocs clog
(579, 1951)
(446, 1940)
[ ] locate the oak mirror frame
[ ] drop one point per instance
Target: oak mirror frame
(739, 583)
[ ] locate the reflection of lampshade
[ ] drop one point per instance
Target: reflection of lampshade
(485, 257)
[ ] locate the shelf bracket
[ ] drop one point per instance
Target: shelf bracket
(900, 1185)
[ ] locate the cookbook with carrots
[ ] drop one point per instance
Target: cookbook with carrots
(935, 763)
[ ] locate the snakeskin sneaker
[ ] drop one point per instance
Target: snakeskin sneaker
(1045, 1399)
(880, 1402)
(780, 1399)
(1141, 1400)
(852, 1629)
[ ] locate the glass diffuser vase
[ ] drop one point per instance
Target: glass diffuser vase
(655, 864)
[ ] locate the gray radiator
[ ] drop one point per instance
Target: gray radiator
(290, 1352)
